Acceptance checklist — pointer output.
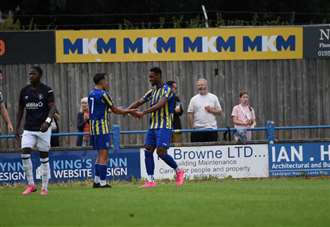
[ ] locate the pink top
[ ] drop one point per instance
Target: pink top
(243, 113)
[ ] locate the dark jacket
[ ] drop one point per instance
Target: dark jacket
(80, 126)
(55, 140)
(176, 116)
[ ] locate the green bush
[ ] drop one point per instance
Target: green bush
(9, 25)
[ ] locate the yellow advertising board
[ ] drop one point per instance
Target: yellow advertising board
(179, 44)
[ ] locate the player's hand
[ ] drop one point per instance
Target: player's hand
(131, 111)
(44, 127)
(137, 114)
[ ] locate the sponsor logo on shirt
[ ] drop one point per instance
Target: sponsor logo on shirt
(34, 105)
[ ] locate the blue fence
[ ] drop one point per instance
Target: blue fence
(271, 158)
(269, 128)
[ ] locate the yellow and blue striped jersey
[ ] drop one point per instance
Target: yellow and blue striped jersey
(163, 117)
(99, 102)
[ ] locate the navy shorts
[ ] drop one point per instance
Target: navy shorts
(158, 137)
(100, 142)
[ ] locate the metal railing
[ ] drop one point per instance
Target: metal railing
(269, 128)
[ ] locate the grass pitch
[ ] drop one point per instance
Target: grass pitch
(268, 202)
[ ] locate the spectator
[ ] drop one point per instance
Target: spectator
(5, 115)
(178, 111)
(202, 112)
(83, 123)
(243, 117)
(55, 140)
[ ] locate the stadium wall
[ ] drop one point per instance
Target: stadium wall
(284, 68)
(289, 92)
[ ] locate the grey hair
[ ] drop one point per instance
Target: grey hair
(202, 79)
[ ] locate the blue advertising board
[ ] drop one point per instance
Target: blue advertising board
(299, 159)
(72, 165)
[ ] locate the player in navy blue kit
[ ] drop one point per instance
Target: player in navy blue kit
(99, 104)
(161, 99)
(37, 100)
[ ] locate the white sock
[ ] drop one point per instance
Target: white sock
(97, 179)
(44, 172)
(103, 182)
(150, 178)
(27, 166)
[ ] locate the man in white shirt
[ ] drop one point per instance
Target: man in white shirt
(202, 112)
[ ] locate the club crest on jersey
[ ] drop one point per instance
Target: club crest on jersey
(26, 97)
(40, 96)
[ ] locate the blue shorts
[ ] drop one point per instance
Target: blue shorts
(158, 137)
(100, 142)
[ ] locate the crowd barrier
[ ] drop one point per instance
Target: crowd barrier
(253, 160)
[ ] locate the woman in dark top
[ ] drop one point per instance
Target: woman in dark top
(178, 111)
(55, 140)
(83, 123)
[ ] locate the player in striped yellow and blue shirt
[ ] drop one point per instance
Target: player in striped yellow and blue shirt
(99, 103)
(158, 137)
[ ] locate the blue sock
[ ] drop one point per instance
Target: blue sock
(149, 162)
(97, 169)
(103, 172)
(168, 160)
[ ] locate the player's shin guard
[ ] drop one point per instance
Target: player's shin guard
(27, 166)
(168, 159)
(45, 171)
(97, 173)
(150, 164)
(103, 174)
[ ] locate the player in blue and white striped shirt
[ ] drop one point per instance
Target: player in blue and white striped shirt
(99, 104)
(161, 99)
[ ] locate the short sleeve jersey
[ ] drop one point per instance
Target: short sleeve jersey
(163, 117)
(36, 101)
(99, 102)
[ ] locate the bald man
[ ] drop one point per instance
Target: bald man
(202, 111)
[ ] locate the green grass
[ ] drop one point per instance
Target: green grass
(269, 202)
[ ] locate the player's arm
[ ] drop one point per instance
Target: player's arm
(136, 104)
(161, 103)
(145, 98)
(19, 115)
(52, 110)
(113, 108)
